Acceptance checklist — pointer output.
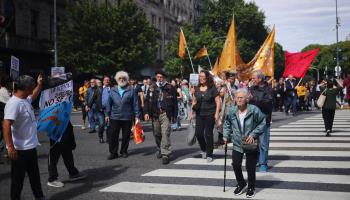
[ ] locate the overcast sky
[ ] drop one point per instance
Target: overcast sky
(302, 22)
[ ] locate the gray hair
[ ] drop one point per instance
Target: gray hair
(259, 74)
(243, 90)
(121, 74)
(98, 82)
(25, 82)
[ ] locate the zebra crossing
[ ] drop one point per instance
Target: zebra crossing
(304, 164)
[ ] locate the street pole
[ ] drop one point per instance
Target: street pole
(55, 31)
(337, 23)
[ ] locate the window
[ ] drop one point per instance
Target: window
(160, 23)
(154, 20)
(34, 22)
(51, 28)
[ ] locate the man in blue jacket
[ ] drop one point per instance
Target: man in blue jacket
(122, 108)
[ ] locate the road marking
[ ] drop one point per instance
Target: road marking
(288, 177)
(323, 138)
(275, 132)
(296, 153)
(275, 163)
(295, 130)
(216, 192)
(335, 126)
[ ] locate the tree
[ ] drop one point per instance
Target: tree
(99, 38)
(214, 24)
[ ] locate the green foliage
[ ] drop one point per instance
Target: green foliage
(279, 60)
(100, 38)
(327, 54)
(214, 24)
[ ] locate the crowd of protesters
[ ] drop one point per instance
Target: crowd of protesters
(237, 109)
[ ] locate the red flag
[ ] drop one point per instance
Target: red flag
(298, 63)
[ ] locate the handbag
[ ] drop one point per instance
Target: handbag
(321, 99)
(249, 148)
(191, 137)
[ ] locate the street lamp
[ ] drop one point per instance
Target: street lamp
(55, 31)
(337, 24)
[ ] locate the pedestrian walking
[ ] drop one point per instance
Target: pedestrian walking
(244, 124)
(291, 95)
(206, 105)
(328, 109)
(105, 96)
(122, 108)
(20, 134)
(82, 98)
(161, 106)
(262, 97)
(4, 97)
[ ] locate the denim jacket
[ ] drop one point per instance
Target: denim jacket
(254, 123)
(124, 107)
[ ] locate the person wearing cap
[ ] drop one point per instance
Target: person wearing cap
(162, 107)
(228, 101)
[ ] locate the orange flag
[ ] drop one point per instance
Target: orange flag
(229, 58)
(182, 44)
(265, 57)
(201, 53)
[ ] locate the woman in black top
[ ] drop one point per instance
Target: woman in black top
(206, 104)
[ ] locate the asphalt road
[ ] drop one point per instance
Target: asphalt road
(294, 173)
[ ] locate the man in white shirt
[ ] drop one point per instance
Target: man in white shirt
(20, 134)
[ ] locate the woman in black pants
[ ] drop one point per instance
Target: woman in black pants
(329, 106)
(206, 104)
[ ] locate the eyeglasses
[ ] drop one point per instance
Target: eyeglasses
(122, 78)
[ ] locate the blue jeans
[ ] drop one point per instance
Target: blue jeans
(91, 116)
(264, 146)
(101, 123)
(291, 101)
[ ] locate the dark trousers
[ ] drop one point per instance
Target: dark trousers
(251, 160)
(115, 126)
(55, 152)
(328, 118)
(27, 161)
(302, 103)
(204, 133)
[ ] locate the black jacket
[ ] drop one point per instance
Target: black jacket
(263, 99)
(170, 97)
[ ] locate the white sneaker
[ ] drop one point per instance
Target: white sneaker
(209, 159)
(83, 127)
(204, 155)
(57, 184)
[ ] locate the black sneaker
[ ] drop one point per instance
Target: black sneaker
(165, 160)
(112, 156)
(250, 192)
(101, 140)
(240, 189)
(125, 155)
(77, 177)
(328, 133)
(92, 131)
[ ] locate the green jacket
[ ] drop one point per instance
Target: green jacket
(331, 98)
(254, 123)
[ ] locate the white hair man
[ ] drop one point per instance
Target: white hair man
(122, 108)
(261, 95)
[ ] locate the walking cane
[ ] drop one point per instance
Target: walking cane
(225, 166)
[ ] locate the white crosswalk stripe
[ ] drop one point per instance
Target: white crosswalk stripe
(321, 172)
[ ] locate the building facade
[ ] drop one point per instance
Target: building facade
(27, 32)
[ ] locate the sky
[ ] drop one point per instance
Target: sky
(303, 22)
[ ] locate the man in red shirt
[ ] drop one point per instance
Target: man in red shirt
(347, 88)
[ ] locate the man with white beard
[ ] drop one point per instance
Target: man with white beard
(122, 107)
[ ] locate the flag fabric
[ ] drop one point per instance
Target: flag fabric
(201, 53)
(263, 60)
(229, 58)
(55, 110)
(182, 44)
(199, 68)
(54, 120)
(297, 64)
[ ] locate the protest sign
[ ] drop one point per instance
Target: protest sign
(56, 95)
(14, 69)
(194, 79)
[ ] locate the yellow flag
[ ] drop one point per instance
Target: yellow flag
(265, 57)
(182, 45)
(201, 53)
(229, 58)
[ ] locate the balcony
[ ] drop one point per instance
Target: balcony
(25, 44)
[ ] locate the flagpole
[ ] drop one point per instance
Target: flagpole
(190, 59)
(211, 67)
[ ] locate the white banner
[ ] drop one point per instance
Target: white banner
(56, 95)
